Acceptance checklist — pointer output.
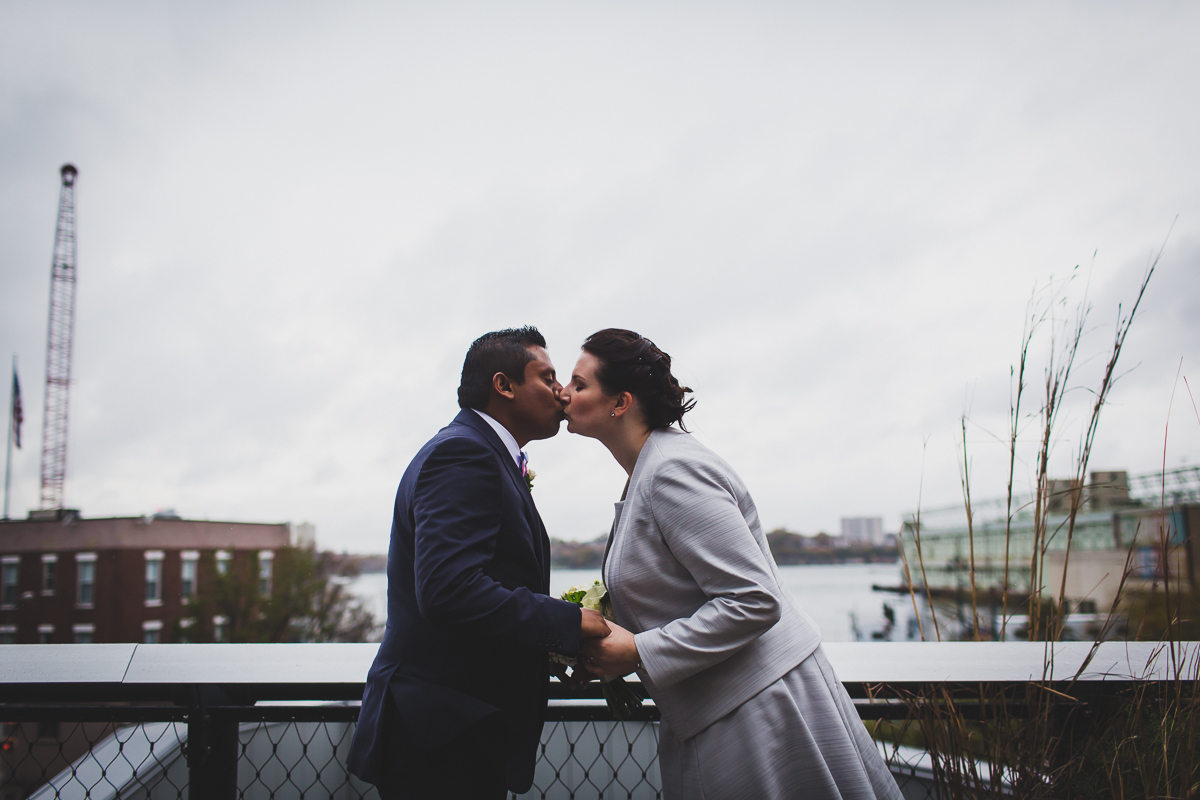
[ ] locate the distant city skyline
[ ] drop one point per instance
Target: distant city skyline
(293, 220)
(863, 530)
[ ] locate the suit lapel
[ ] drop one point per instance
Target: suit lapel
(472, 420)
(475, 422)
(628, 502)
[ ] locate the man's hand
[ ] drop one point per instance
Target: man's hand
(616, 654)
(592, 625)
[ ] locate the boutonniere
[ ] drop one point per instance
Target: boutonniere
(529, 476)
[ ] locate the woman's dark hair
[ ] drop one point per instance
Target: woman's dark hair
(504, 351)
(634, 364)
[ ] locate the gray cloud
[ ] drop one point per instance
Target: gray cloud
(294, 220)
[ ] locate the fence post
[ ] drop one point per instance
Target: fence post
(216, 776)
(212, 748)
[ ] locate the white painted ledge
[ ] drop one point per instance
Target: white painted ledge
(854, 662)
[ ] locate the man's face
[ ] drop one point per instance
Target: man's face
(536, 403)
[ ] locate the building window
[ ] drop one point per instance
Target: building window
(152, 632)
(154, 562)
(266, 559)
(187, 575)
(85, 579)
(219, 623)
(84, 634)
(8, 634)
(45, 634)
(223, 559)
(10, 573)
(49, 565)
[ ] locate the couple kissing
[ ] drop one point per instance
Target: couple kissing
(456, 698)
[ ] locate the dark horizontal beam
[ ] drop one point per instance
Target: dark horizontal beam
(250, 693)
(557, 712)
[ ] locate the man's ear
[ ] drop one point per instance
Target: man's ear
(503, 386)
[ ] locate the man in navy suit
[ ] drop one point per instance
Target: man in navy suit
(456, 699)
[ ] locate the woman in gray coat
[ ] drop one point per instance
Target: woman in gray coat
(750, 706)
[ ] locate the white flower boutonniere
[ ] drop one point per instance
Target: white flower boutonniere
(529, 476)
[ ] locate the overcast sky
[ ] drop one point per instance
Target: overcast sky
(294, 218)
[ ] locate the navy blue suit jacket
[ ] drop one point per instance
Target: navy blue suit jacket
(469, 619)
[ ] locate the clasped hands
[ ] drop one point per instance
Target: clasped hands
(605, 648)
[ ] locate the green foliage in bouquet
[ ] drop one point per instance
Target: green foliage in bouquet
(621, 698)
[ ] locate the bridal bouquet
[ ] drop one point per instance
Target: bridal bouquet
(621, 698)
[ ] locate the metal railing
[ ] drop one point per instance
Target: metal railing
(276, 721)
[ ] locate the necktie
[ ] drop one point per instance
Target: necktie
(523, 463)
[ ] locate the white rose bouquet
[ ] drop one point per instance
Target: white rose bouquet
(622, 700)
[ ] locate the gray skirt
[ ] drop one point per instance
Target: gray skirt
(800, 737)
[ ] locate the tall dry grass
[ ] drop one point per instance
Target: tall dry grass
(1047, 739)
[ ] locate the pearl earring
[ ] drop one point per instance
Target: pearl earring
(613, 414)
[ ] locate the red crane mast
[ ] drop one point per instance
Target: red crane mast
(59, 341)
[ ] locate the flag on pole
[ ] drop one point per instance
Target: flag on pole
(18, 415)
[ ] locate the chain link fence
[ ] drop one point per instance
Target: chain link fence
(291, 760)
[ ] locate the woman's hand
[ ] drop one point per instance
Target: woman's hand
(615, 654)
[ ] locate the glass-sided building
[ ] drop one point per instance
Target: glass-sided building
(1148, 542)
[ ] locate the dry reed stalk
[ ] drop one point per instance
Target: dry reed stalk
(1032, 322)
(920, 558)
(908, 582)
(964, 476)
(1058, 375)
(1089, 437)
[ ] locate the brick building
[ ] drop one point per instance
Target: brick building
(122, 579)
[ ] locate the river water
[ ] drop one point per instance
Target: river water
(837, 596)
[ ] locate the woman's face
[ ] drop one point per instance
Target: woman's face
(588, 408)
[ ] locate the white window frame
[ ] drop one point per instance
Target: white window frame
(266, 572)
(44, 630)
(155, 600)
(5, 563)
(154, 626)
(224, 558)
(87, 628)
(187, 557)
(49, 558)
(9, 630)
(219, 623)
(84, 558)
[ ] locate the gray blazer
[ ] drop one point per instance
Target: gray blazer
(690, 573)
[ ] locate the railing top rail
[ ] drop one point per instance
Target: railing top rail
(1008, 662)
(65, 663)
(346, 665)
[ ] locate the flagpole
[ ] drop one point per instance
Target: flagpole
(12, 405)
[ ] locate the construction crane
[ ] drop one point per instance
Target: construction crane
(59, 341)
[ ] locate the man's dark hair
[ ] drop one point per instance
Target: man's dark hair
(504, 351)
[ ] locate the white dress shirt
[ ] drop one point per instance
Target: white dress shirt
(509, 440)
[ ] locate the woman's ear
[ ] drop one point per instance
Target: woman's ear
(624, 403)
